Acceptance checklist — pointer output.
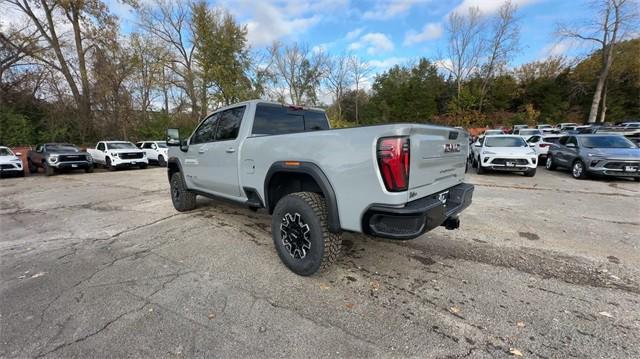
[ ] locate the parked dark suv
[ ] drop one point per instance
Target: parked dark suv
(58, 156)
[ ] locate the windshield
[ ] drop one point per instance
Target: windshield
(62, 148)
(530, 132)
(120, 145)
(505, 142)
(606, 142)
(633, 125)
(5, 152)
(544, 126)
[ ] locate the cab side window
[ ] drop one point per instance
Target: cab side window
(534, 139)
(206, 131)
(229, 124)
(146, 145)
(572, 140)
(101, 146)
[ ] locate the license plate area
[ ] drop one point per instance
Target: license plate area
(510, 164)
(630, 169)
(74, 166)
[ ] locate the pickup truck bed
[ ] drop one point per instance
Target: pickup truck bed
(394, 181)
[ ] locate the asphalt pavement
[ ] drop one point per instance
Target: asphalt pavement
(101, 265)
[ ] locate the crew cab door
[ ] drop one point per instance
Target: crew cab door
(220, 157)
(150, 149)
(99, 154)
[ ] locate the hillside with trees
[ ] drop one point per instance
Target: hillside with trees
(68, 73)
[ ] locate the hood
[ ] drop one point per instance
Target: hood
(126, 150)
(619, 153)
(9, 159)
(75, 153)
(510, 151)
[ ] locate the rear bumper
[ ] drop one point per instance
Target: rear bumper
(419, 216)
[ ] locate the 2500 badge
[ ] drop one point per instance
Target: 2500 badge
(451, 147)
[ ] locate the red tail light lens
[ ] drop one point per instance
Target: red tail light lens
(543, 145)
(393, 162)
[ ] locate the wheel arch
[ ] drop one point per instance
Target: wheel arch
(173, 166)
(284, 177)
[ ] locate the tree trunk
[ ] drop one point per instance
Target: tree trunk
(603, 107)
(357, 95)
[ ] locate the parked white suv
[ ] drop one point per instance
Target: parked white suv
(10, 163)
(157, 151)
(506, 153)
(541, 145)
(116, 154)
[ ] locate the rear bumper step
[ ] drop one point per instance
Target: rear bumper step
(419, 216)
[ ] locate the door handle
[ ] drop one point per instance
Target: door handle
(230, 150)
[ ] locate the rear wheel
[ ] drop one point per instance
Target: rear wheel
(578, 170)
(550, 165)
(183, 199)
(300, 232)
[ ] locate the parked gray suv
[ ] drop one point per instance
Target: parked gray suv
(393, 181)
(607, 155)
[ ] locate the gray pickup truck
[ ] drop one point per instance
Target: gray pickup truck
(393, 181)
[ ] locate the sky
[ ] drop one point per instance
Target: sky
(389, 32)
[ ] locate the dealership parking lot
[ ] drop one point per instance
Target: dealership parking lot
(97, 265)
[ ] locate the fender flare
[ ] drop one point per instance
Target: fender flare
(321, 179)
(173, 161)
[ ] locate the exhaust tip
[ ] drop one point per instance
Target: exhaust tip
(452, 223)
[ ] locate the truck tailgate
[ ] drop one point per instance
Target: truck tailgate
(438, 159)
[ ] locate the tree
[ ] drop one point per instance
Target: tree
(465, 45)
(149, 59)
(359, 71)
(613, 17)
(502, 42)
(170, 22)
(222, 55)
(338, 79)
(296, 72)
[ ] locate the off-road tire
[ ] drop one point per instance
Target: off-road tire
(581, 175)
(143, 166)
(549, 164)
(530, 172)
(325, 246)
(161, 161)
(32, 167)
(48, 170)
(183, 200)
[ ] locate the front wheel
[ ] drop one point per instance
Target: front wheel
(108, 165)
(300, 232)
(143, 166)
(183, 199)
(89, 169)
(578, 170)
(32, 167)
(530, 172)
(162, 162)
(48, 170)
(479, 167)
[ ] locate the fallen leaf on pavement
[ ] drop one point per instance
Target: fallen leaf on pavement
(375, 285)
(520, 323)
(324, 286)
(39, 274)
(349, 305)
(211, 316)
(454, 310)
(515, 352)
(606, 314)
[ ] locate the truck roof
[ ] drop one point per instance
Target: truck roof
(259, 101)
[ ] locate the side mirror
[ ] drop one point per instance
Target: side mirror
(571, 145)
(18, 153)
(532, 145)
(477, 144)
(173, 137)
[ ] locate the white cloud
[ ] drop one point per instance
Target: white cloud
(387, 63)
(376, 43)
(354, 33)
(430, 31)
(271, 20)
(354, 46)
(488, 6)
(559, 48)
(387, 9)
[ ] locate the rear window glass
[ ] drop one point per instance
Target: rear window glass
(276, 120)
(551, 139)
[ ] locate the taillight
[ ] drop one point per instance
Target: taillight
(543, 145)
(393, 162)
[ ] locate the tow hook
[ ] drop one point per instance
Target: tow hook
(452, 223)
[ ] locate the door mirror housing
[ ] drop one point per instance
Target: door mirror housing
(571, 145)
(532, 145)
(18, 153)
(173, 137)
(478, 144)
